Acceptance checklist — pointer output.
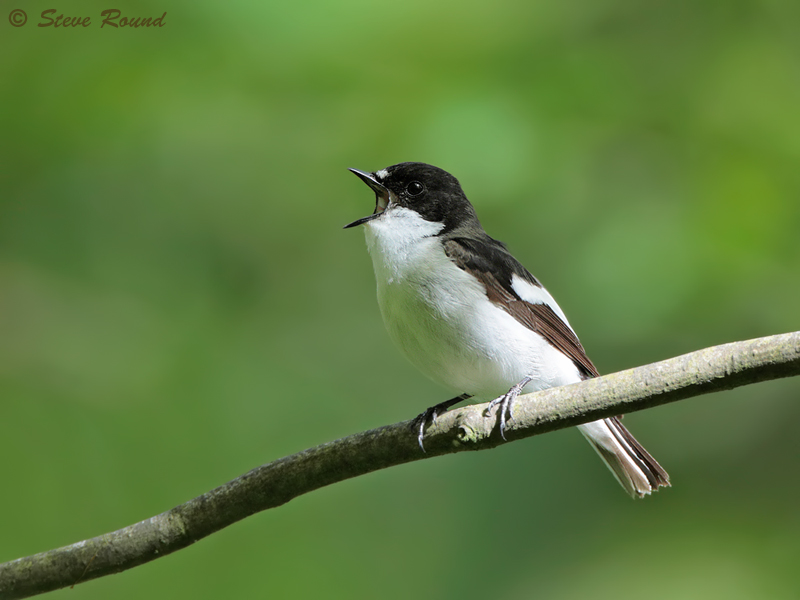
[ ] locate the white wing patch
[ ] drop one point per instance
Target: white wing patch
(537, 295)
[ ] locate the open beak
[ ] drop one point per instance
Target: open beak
(382, 197)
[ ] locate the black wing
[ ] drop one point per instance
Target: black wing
(491, 264)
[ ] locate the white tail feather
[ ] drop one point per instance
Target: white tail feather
(631, 464)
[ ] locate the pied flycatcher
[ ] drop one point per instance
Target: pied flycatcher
(466, 313)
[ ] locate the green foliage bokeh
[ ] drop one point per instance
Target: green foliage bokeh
(179, 303)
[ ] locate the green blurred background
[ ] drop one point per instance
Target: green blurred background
(179, 303)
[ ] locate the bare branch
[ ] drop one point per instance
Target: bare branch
(710, 370)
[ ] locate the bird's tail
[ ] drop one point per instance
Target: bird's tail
(632, 465)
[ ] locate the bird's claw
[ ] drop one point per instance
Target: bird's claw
(432, 413)
(505, 401)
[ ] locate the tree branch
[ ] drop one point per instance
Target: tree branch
(710, 370)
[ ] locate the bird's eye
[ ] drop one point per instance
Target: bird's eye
(415, 188)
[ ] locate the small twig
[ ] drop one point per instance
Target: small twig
(89, 564)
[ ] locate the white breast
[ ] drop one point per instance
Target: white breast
(440, 318)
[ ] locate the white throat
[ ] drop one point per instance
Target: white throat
(400, 240)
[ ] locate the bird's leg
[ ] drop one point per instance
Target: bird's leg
(433, 412)
(505, 402)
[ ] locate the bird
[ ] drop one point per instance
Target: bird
(468, 315)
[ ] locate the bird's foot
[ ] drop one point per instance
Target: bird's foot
(431, 413)
(505, 401)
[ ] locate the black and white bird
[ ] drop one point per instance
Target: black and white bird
(465, 312)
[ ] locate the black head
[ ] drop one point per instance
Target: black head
(429, 191)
